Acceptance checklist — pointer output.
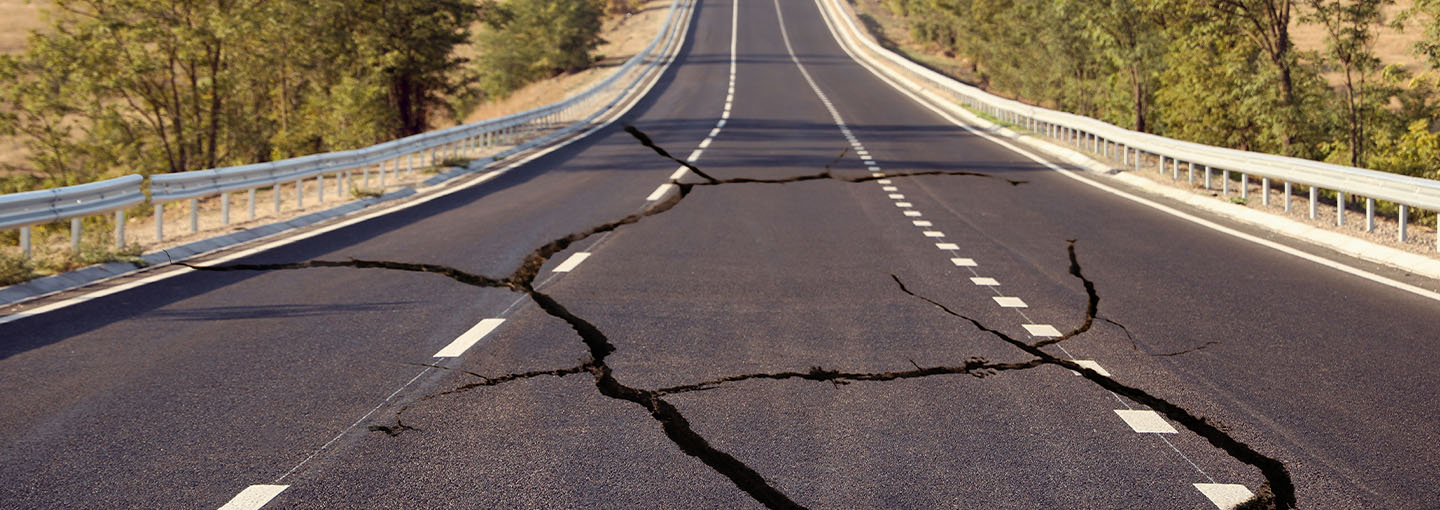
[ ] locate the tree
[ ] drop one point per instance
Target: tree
(1349, 39)
(527, 40)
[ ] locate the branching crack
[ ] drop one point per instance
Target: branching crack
(1277, 476)
(975, 367)
(674, 424)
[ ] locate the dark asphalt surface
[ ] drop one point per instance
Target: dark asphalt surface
(181, 393)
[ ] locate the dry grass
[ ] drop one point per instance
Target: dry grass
(624, 35)
(21, 16)
(1391, 46)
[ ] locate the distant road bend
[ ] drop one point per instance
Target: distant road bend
(777, 282)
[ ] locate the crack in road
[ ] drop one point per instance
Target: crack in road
(974, 366)
(1277, 476)
(674, 424)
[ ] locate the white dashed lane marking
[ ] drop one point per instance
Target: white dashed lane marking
(913, 214)
(1039, 330)
(1225, 495)
(679, 174)
(1145, 421)
(959, 261)
(934, 233)
(1092, 365)
(1010, 302)
(253, 497)
(921, 223)
(904, 205)
(570, 263)
(469, 338)
(984, 281)
(659, 192)
(897, 196)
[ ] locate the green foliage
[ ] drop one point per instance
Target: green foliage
(157, 86)
(1220, 72)
(527, 40)
(15, 269)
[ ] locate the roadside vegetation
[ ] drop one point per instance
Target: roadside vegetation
(103, 88)
(1220, 72)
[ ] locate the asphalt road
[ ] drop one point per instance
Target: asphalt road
(748, 343)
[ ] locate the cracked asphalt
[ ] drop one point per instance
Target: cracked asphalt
(772, 333)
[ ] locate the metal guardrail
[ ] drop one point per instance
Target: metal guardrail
(1133, 146)
(521, 131)
(73, 203)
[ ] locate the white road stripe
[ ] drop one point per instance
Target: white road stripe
(679, 173)
(694, 156)
(897, 196)
(985, 281)
(934, 233)
(468, 338)
(890, 188)
(1092, 365)
(877, 174)
(904, 204)
(659, 192)
(1040, 330)
(253, 497)
(884, 181)
(570, 263)
(962, 262)
(913, 214)
(947, 246)
(705, 144)
(1145, 421)
(1225, 495)
(921, 223)
(1010, 302)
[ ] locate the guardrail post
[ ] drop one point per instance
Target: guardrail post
(1265, 191)
(251, 196)
(225, 208)
(1287, 196)
(366, 178)
(120, 229)
(1190, 173)
(1339, 208)
(159, 222)
(382, 173)
(1314, 201)
(275, 192)
(25, 241)
(1224, 182)
(299, 194)
(1125, 154)
(1244, 186)
(1404, 220)
(1370, 215)
(1162, 164)
(409, 165)
(75, 227)
(340, 184)
(320, 188)
(1174, 169)
(194, 215)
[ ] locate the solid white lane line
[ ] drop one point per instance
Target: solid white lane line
(921, 223)
(570, 263)
(468, 338)
(934, 233)
(1092, 365)
(1010, 302)
(679, 173)
(962, 262)
(1145, 421)
(254, 497)
(1040, 330)
(903, 205)
(659, 192)
(913, 214)
(1225, 495)
(985, 281)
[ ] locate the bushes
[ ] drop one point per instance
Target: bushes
(527, 40)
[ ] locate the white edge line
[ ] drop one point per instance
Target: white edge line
(1141, 200)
